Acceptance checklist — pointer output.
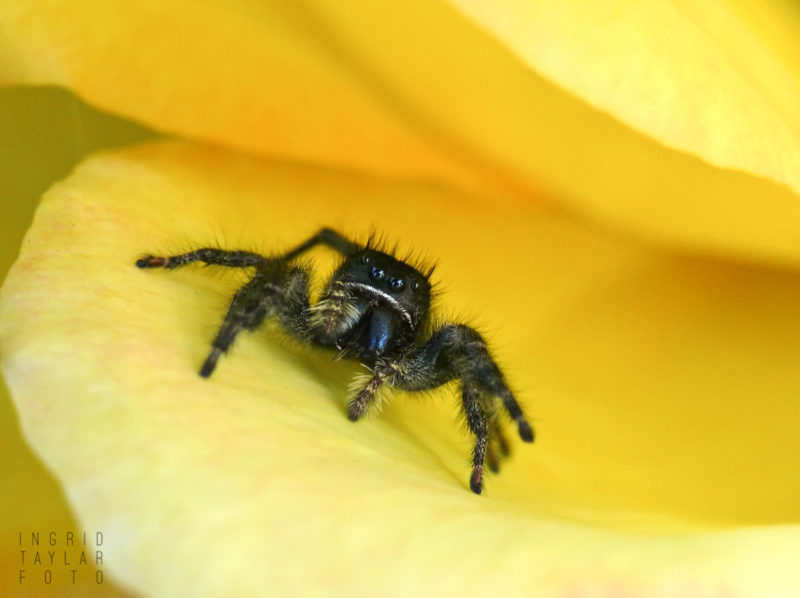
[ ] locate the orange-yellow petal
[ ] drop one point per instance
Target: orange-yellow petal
(661, 387)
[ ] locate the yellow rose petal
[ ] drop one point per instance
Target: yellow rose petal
(619, 168)
(696, 76)
(259, 77)
(672, 121)
(661, 387)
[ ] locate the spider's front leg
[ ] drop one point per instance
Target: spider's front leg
(208, 255)
(277, 289)
(457, 352)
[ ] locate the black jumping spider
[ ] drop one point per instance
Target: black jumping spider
(374, 309)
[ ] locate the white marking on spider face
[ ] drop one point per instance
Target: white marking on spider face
(385, 296)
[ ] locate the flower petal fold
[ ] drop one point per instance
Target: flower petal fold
(702, 78)
(661, 386)
(671, 121)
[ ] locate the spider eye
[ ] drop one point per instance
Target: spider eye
(365, 259)
(397, 284)
(377, 273)
(415, 286)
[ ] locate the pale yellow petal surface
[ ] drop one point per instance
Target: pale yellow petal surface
(662, 389)
(39, 142)
(675, 122)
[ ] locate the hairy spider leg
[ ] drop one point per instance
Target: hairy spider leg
(276, 289)
(358, 406)
(475, 410)
(244, 259)
(458, 352)
(208, 255)
(328, 237)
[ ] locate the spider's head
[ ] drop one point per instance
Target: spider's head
(392, 299)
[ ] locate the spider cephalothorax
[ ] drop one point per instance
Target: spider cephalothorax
(374, 309)
(373, 306)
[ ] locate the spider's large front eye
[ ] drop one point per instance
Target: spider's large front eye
(397, 284)
(377, 273)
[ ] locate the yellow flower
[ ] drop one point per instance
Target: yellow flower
(611, 192)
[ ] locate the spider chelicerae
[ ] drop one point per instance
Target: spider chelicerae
(375, 309)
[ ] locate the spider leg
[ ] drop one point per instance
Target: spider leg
(358, 406)
(245, 259)
(458, 352)
(207, 255)
(475, 411)
(476, 408)
(327, 237)
(276, 289)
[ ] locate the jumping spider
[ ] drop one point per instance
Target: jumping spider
(374, 309)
